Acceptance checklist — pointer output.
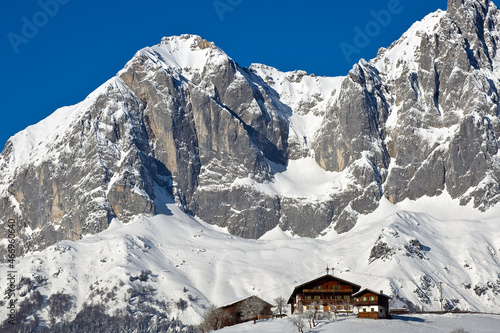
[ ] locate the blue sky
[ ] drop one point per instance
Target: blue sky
(55, 52)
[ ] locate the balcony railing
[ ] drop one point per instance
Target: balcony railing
(366, 303)
(326, 301)
(327, 290)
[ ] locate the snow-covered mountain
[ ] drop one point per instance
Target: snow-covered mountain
(387, 168)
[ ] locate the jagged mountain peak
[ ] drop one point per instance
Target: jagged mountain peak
(477, 21)
(469, 9)
(406, 51)
(195, 41)
(185, 54)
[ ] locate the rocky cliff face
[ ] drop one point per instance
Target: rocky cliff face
(182, 119)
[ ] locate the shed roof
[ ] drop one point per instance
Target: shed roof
(243, 299)
(366, 290)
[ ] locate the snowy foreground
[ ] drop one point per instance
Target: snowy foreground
(409, 323)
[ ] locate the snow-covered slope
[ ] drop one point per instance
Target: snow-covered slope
(400, 324)
(405, 253)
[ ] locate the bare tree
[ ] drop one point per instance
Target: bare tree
(335, 310)
(298, 322)
(213, 318)
(280, 305)
(299, 307)
(315, 308)
(309, 315)
(312, 313)
(348, 304)
(251, 308)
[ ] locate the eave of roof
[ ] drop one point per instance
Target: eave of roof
(366, 290)
(319, 278)
(241, 300)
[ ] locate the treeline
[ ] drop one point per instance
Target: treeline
(139, 316)
(93, 319)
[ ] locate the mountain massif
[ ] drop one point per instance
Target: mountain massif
(185, 119)
(254, 149)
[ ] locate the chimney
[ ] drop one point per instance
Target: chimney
(381, 291)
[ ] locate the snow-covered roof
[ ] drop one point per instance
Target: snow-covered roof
(241, 300)
(366, 290)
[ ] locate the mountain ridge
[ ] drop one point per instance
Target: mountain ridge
(392, 169)
(184, 117)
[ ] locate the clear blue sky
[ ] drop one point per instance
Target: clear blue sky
(55, 52)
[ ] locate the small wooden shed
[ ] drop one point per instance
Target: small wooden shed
(235, 313)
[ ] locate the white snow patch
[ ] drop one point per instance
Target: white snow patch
(302, 178)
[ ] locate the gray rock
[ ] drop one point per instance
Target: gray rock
(406, 125)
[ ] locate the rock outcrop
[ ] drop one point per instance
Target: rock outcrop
(182, 120)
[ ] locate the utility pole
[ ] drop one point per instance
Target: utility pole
(441, 294)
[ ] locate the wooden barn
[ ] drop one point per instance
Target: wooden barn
(371, 304)
(235, 311)
(331, 293)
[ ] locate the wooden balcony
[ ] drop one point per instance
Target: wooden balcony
(332, 291)
(335, 302)
(366, 303)
(326, 301)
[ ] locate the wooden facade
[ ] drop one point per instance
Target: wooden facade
(235, 314)
(330, 293)
(371, 304)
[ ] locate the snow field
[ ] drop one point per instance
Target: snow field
(424, 323)
(192, 260)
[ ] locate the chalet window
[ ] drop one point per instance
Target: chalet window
(320, 287)
(338, 297)
(308, 297)
(364, 299)
(373, 310)
(372, 298)
(317, 297)
(347, 297)
(364, 309)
